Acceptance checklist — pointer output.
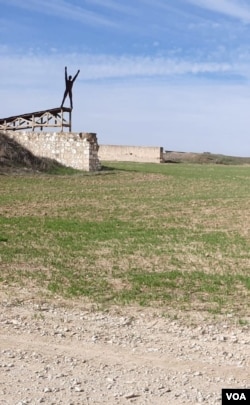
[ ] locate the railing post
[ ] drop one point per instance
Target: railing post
(70, 120)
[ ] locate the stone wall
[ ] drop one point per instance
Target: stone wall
(123, 153)
(77, 150)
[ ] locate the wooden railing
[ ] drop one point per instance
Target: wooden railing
(53, 118)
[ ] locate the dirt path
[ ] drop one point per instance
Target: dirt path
(55, 354)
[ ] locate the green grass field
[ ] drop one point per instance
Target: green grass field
(170, 236)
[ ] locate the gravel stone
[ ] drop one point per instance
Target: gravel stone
(57, 353)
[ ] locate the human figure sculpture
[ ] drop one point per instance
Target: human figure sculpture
(69, 84)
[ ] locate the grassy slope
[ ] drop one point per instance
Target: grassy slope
(175, 236)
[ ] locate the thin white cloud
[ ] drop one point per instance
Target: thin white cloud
(100, 67)
(62, 9)
(112, 5)
(17, 68)
(132, 98)
(232, 8)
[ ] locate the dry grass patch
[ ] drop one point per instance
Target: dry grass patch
(167, 235)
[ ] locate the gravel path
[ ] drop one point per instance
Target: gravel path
(55, 354)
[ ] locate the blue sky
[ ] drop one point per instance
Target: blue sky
(171, 73)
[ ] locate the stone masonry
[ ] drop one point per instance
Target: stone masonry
(77, 150)
(125, 153)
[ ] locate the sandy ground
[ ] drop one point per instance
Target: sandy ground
(56, 353)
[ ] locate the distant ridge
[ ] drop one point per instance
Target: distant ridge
(206, 158)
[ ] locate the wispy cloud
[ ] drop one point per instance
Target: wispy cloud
(112, 5)
(99, 67)
(63, 9)
(179, 70)
(232, 8)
